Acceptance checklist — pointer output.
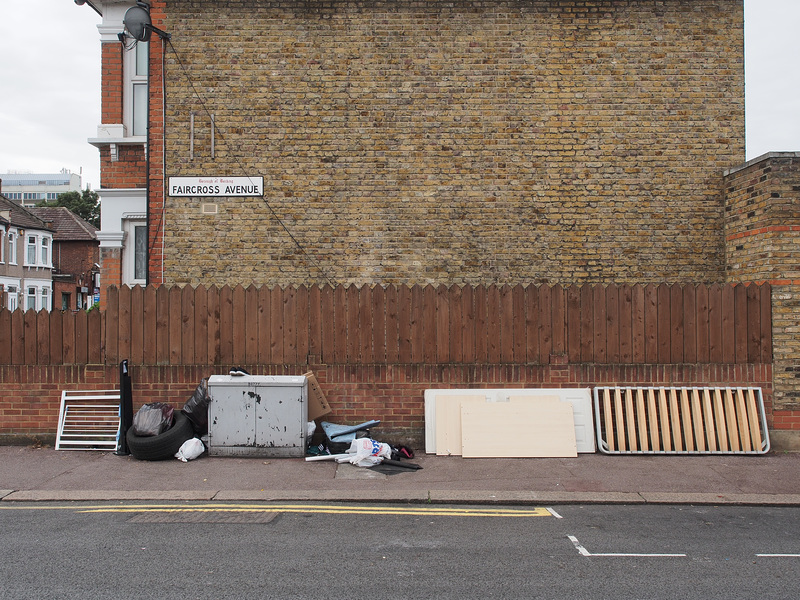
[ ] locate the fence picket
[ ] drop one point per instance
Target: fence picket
(600, 349)
(352, 307)
(7, 337)
(625, 308)
(651, 310)
(365, 324)
(150, 325)
(226, 326)
(455, 300)
(532, 316)
(289, 325)
(574, 323)
(327, 324)
(404, 316)
(81, 338)
(276, 326)
(42, 337)
(162, 325)
(638, 331)
(200, 350)
(468, 324)
(676, 329)
(442, 316)
(301, 323)
(715, 324)
(493, 310)
(702, 320)
(56, 340)
(506, 318)
(663, 319)
(519, 353)
(392, 321)
(377, 327)
(251, 324)
(112, 329)
(94, 323)
(559, 318)
(417, 325)
(239, 337)
(689, 324)
(123, 325)
(68, 337)
(136, 355)
(612, 324)
(587, 324)
(728, 325)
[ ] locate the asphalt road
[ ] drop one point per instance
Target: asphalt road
(205, 550)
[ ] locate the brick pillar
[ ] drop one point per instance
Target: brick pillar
(155, 151)
(111, 271)
(112, 82)
(762, 233)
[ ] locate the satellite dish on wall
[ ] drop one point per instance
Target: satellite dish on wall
(138, 24)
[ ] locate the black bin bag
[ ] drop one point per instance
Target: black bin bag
(152, 419)
(196, 409)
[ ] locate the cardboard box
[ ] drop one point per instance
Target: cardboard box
(317, 403)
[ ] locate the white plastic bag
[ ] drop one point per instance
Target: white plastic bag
(367, 453)
(190, 449)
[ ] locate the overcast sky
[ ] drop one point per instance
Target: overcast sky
(50, 93)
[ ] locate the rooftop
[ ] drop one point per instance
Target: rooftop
(67, 226)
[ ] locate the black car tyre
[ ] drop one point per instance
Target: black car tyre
(161, 446)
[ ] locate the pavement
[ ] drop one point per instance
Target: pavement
(42, 474)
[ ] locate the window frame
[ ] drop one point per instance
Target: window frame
(31, 297)
(34, 243)
(32, 248)
(12, 297)
(136, 66)
(44, 250)
(13, 234)
(129, 252)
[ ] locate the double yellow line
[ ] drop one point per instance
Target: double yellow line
(336, 509)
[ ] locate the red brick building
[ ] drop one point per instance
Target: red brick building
(76, 258)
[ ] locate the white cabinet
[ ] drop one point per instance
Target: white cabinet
(257, 415)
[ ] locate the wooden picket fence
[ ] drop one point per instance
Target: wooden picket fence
(496, 324)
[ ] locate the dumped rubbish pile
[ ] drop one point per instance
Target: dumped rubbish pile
(159, 432)
(243, 415)
(353, 444)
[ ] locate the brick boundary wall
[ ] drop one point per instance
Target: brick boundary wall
(394, 394)
(762, 232)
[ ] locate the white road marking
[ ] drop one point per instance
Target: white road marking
(585, 552)
(554, 513)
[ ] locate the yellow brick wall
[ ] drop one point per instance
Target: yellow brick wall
(762, 219)
(460, 142)
(762, 232)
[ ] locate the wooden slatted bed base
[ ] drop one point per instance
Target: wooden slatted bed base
(680, 420)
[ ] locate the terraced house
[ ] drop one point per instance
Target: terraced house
(445, 147)
(26, 258)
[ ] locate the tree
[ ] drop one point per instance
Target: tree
(85, 204)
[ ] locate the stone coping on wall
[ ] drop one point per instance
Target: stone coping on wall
(758, 159)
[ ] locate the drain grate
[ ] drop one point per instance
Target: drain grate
(204, 516)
